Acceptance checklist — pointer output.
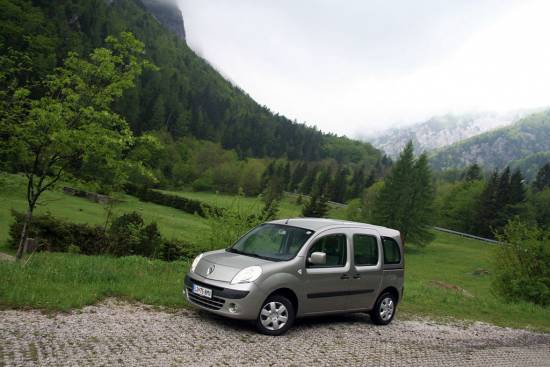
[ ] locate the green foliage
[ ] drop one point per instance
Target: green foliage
(541, 206)
(227, 228)
(472, 173)
(127, 235)
(542, 180)
(405, 202)
(457, 204)
(317, 205)
(502, 199)
(522, 270)
(178, 202)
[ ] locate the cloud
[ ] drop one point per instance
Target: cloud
(359, 66)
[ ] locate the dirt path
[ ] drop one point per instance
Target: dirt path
(120, 334)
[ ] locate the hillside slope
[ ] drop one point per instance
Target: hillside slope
(441, 131)
(185, 97)
(529, 136)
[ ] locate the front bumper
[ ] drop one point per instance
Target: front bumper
(237, 301)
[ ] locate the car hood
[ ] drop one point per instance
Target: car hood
(223, 266)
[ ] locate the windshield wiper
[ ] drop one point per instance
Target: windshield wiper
(234, 250)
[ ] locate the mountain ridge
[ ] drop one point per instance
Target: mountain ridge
(527, 139)
(443, 130)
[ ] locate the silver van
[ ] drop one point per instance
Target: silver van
(299, 267)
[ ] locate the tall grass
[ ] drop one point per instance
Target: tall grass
(56, 281)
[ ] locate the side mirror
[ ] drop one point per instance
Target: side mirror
(318, 258)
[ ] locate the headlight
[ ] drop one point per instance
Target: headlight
(196, 262)
(247, 275)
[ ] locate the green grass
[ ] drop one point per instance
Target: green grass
(55, 281)
(172, 223)
(287, 207)
(452, 260)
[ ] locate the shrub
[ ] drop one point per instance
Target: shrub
(227, 228)
(178, 202)
(127, 235)
(53, 234)
(522, 270)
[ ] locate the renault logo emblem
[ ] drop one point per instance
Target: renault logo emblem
(210, 270)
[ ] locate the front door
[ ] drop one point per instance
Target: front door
(325, 285)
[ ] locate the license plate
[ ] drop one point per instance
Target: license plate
(201, 291)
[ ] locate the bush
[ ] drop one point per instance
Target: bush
(178, 202)
(227, 228)
(127, 235)
(522, 270)
(53, 234)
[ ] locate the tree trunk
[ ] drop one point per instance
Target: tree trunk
(23, 238)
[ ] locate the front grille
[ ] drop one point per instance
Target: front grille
(214, 303)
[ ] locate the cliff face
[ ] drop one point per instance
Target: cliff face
(168, 14)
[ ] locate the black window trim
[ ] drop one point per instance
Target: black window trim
(398, 251)
(309, 266)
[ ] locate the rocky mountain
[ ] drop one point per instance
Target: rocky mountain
(441, 131)
(524, 143)
(168, 14)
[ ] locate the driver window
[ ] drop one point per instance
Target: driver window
(334, 246)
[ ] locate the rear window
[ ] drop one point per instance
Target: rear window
(392, 255)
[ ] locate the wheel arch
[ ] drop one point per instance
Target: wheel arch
(393, 291)
(289, 294)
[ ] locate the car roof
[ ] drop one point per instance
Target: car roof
(317, 224)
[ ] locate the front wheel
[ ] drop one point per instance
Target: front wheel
(384, 309)
(276, 316)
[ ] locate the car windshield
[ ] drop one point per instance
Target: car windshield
(272, 242)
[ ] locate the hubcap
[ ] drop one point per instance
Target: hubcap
(386, 309)
(274, 315)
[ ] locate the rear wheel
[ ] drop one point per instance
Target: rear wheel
(276, 316)
(384, 309)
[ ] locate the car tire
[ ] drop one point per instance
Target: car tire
(384, 309)
(276, 315)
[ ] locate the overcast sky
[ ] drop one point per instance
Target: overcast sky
(358, 66)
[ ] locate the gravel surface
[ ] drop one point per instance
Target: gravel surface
(114, 333)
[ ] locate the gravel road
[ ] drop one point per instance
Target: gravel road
(114, 333)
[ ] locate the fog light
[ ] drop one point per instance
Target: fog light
(233, 308)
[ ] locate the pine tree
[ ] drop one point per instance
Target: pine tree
(338, 187)
(298, 175)
(285, 176)
(309, 181)
(487, 207)
(357, 184)
(543, 178)
(517, 189)
(472, 173)
(370, 180)
(405, 201)
(317, 205)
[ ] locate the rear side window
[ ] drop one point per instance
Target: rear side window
(392, 255)
(365, 250)
(334, 246)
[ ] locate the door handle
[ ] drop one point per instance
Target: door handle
(356, 276)
(345, 276)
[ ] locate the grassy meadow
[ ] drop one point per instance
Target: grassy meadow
(451, 278)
